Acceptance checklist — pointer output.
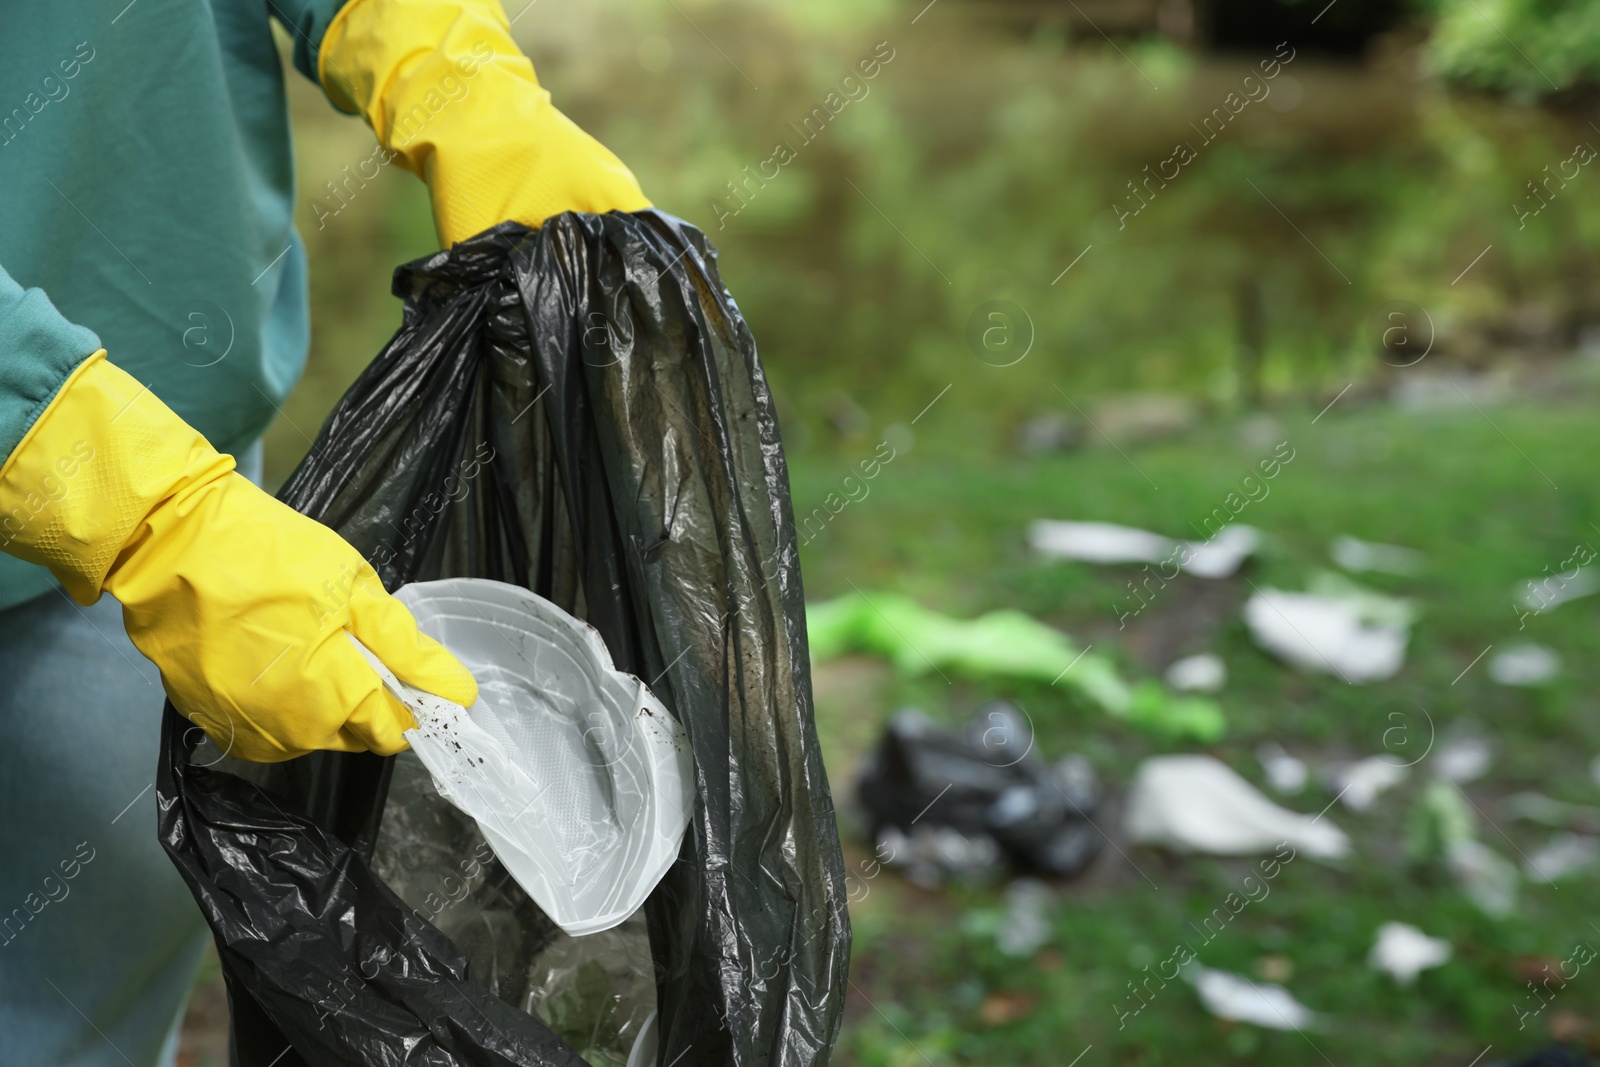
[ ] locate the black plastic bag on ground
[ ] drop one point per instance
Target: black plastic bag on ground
(578, 410)
(944, 804)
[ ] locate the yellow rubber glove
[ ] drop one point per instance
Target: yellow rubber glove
(243, 603)
(454, 100)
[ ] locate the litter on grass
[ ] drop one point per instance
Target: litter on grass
(1048, 433)
(1204, 673)
(1026, 926)
(1564, 854)
(1335, 627)
(1444, 832)
(1358, 784)
(1314, 634)
(1402, 952)
(1285, 773)
(1487, 878)
(1356, 555)
(932, 854)
(1462, 759)
(1526, 665)
(986, 785)
(1105, 542)
(1548, 811)
(1543, 594)
(1231, 996)
(1198, 804)
(1369, 604)
(1097, 542)
(1004, 644)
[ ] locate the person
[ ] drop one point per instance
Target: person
(146, 168)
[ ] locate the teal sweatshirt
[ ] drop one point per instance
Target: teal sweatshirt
(146, 195)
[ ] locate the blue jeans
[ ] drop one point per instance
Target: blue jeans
(99, 937)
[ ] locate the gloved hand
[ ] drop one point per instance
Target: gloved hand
(453, 99)
(243, 603)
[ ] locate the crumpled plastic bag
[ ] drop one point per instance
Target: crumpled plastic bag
(1200, 804)
(1220, 556)
(579, 411)
(1359, 784)
(1444, 833)
(1335, 627)
(1244, 1000)
(1403, 952)
(1003, 644)
(988, 785)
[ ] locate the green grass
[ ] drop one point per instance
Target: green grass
(1474, 496)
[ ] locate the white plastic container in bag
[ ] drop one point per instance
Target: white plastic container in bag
(579, 778)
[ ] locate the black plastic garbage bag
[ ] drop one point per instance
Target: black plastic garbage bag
(578, 410)
(943, 804)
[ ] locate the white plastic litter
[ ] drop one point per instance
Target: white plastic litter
(1402, 952)
(1337, 628)
(1105, 542)
(1356, 555)
(1462, 759)
(1026, 926)
(579, 778)
(1223, 553)
(1551, 591)
(1487, 878)
(1359, 783)
(1449, 823)
(1204, 673)
(1564, 854)
(1285, 773)
(1536, 807)
(1371, 605)
(1198, 804)
(1097, 542)
(1525, 665)
(1230, 996)
(932, 853)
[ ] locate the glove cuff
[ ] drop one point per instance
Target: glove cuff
(453, 100)
(77, 493)
(381, 57)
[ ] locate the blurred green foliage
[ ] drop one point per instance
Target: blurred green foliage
(981, 165)
(976, 166)
(1528, 48)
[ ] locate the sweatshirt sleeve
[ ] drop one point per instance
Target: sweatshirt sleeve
(38, 351)
(307, 21)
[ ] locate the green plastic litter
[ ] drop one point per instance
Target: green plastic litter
(1009, 644)
(1441, 822)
